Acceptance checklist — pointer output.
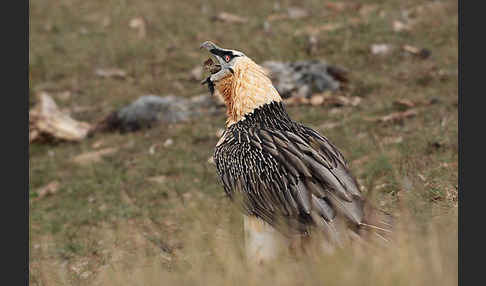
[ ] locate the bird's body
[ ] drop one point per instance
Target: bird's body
(287, 178)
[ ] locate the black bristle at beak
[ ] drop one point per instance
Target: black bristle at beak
(210, 84)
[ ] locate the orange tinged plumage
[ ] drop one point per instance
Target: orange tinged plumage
(246, 89)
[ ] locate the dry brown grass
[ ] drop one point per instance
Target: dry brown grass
(418, 253)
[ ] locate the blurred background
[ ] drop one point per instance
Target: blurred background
(123, 189)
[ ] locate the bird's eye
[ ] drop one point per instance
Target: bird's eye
(227, 58)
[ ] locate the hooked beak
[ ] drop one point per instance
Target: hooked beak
(213, 48)
(208, 45)
(223, 69)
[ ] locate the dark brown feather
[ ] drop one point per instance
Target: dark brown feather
(323, 208)
(287, 172)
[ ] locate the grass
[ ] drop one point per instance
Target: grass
(109, 224)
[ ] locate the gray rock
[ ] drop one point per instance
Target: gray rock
(150, 110)
(302, 78)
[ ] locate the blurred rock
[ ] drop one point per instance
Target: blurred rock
(317, 100)
(140, 25)
(297, 13)
(48, 190)
(392, 140)
(421, 53)
(47, 122)
(398, 116)
(296, 101)
(111, 72)
(168, 142)
(399, 26)
(325, 99)
(158, 179)
(380, 49)
(343, 100)
(403, 104)
(230, 18)
(150, 110)
(152, 148)
(302, 78)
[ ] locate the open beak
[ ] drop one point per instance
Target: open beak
(218, 70)
(214, 50)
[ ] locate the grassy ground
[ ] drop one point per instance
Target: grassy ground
(110, 223)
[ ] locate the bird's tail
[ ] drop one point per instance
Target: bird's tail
(375, 230)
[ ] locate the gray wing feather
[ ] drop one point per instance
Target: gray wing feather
(290, 173)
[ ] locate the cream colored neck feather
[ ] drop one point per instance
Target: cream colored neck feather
(245, 90)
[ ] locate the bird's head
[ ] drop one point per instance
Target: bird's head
(242, 83)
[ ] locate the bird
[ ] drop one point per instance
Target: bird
(288, 180)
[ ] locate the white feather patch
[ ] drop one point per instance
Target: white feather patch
(262, 241)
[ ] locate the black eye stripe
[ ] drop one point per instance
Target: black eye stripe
(222, 54)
